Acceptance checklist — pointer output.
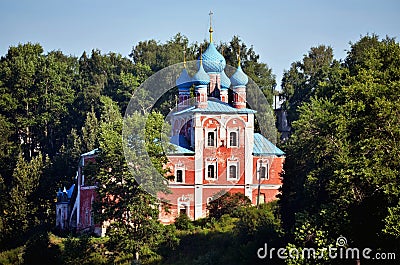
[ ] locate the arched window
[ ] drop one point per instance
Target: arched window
(211, 139)
(263, 170)
(179, 173)
(232, 171)
(211, 171)
(179, 176)
(233, 139)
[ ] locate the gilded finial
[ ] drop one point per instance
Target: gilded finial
(238, 55)
(211, 29)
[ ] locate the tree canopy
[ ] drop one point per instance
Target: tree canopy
(341, 175)
(342, 168)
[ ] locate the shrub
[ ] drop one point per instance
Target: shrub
(226, 203)
(39, 250)
(183, 222)
(12, 256)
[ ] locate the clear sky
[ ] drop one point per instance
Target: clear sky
(281, 31)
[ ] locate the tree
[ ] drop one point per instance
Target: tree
(37, 95)
(18, 75)
(261, 79)
(160, 55)
(183, 222)
(132, 212)
(259, 72)
(256, 227)
(90, 132)
(316, 74)
(21, 210)
(226, 203)
(8, 147)
(342, 158)
(53, 82)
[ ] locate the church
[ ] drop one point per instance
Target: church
(215, 150)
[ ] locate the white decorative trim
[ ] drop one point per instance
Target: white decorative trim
(230, 186)
(184, 203)
(88, 187)
(198, 140)
(222, 186)
(264, 164)
(206, 132)
(248, 150)
(235, 130)
(198, 204)
(267, 186)
(211, 162)
(232, 162)
(180, 166)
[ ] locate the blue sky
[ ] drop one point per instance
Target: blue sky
(281, 31)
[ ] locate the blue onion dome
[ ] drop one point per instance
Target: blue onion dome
(225, 81)
(239, 79)
(213, 61)
(201, 77)
(184, 80)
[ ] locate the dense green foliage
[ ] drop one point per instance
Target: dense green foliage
(223, 241)
(341, 172)
(54, 107)
(228, 240)
(342, 166)
(226, 203)
(310, 77)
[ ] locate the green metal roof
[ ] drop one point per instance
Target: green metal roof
(181, 146)
(179, 150)
(215, 106)
(264, 147)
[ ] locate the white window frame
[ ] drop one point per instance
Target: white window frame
(184, 205)
(262, 195)
(214, 131)
(235, 130)
(265, 164)
(211, 163)
(183, 202)
(176, 176)
(228, 171)
(179, 166)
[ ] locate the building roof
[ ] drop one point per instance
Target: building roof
(70, 191)
(225, 81)
(180, 145)
(90, 153)
(180, 140)
(239, 79)
(184, 80)
(213, 61)
(201, 78)
(179, 150)
(216, 106)
(264, 147)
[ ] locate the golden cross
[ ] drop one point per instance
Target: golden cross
(211, 30)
